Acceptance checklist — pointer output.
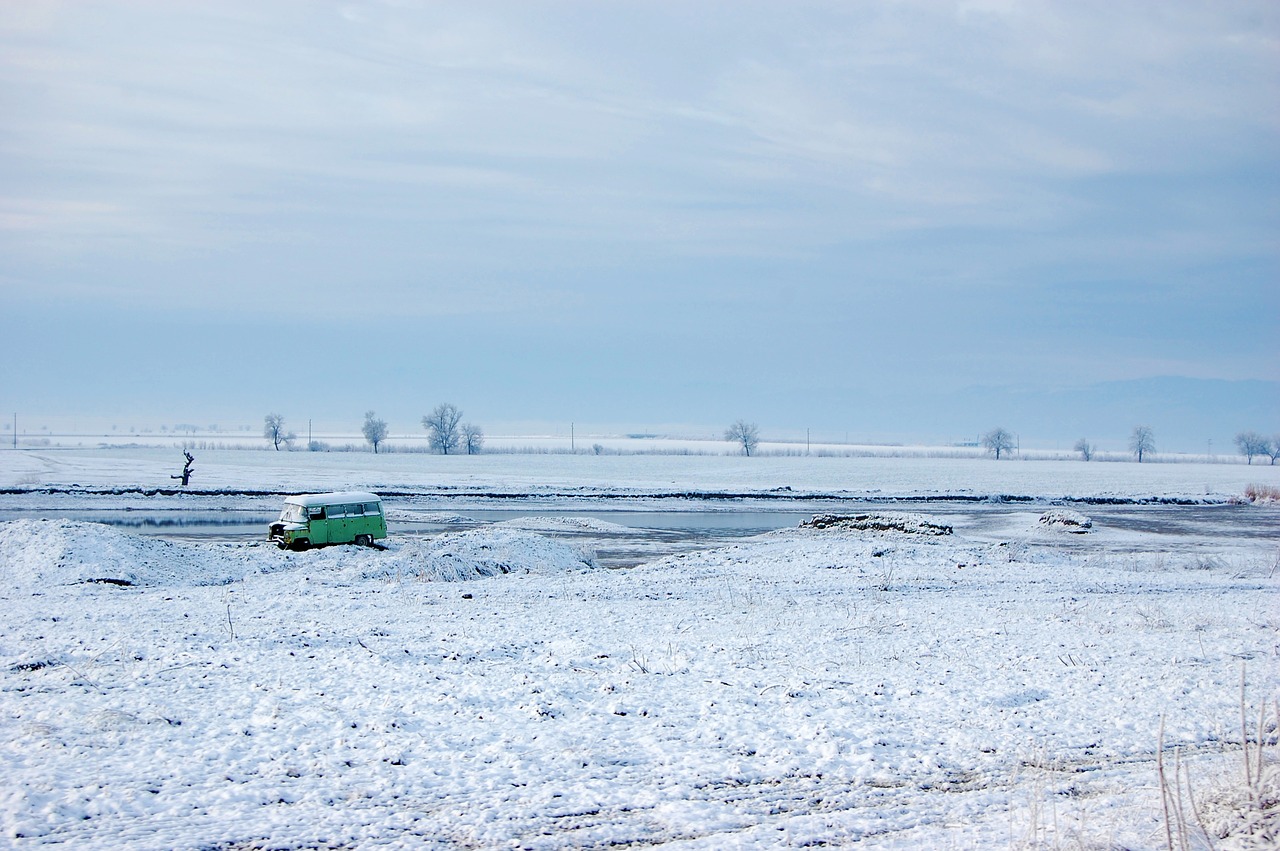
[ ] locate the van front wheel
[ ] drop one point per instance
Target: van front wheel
(364, 540)
(300, 545)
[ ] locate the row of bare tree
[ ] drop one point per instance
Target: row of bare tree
(998, 441)
(446, 433)
(1142, 442)
(1251, 443)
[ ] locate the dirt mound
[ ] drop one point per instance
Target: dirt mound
(911, 524)
(1066, 521)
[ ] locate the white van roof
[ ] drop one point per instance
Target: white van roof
(337, 498)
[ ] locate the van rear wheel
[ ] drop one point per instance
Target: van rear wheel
(364, 540)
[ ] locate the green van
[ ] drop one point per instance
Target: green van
(317, 519)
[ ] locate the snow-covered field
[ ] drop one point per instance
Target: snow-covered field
(1000, 686)
(539, 473)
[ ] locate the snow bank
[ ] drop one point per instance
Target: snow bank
(37, 554)
(42, 553)
(443, 518)
(566, 524)
(458, 556)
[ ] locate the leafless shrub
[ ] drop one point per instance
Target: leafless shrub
(884, 582)
(1241, 814)
(1262, 493)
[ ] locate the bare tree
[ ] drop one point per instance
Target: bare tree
(1273, 449)
(187, 469)
(472, 438)
(442, 428)
(1251, 443)
(998, 441)
(273, 430)
(1142, 442)
(375, 430)
(1085, 449)
(744, 433)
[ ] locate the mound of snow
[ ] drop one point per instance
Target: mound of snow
(36, 554)
(44, 553)
(457, 556)
(565, 524)
(1066, 521)
(443, 518)
(912, 524)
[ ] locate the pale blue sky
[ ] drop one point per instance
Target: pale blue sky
(645, 215)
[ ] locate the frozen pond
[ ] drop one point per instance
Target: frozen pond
(638, 535)
(625, 536)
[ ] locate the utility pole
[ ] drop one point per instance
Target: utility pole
(572, 446)
(15, 430)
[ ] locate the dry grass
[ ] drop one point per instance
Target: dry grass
(1243, 813)
(1262, 493)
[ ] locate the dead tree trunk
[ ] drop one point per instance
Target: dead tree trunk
(186, 469)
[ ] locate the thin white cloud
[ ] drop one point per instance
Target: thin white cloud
(480, 159)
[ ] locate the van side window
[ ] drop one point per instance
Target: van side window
(371, 508)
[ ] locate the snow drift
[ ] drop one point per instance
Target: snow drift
(37, 554)
(458, 556)
(43, 553)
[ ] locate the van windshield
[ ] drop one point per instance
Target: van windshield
(293, 513)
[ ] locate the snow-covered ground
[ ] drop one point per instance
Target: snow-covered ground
(1000, 686)
(540, 473)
